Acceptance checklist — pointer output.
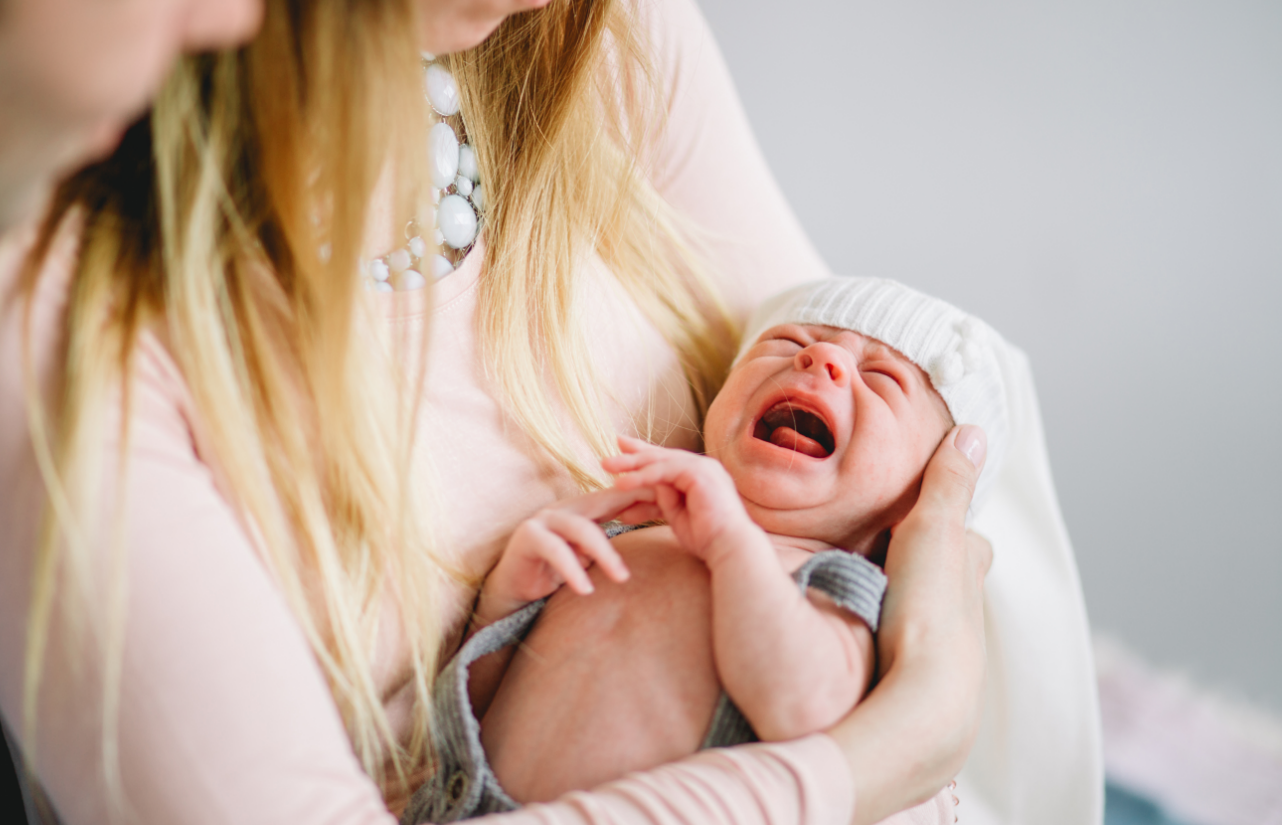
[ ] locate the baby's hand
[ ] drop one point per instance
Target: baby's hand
(692, 492)
(554, 547)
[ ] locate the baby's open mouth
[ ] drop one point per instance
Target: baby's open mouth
(795, 429)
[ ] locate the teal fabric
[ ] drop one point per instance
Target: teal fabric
(1122, 807)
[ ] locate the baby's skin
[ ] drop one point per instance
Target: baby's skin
(818, 440)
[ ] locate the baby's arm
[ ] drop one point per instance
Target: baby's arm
(551, 548)
(792, 664)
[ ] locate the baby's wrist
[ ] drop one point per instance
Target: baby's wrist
(734, 542)
(492, 606)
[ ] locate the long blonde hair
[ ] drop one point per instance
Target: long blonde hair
(208, 225)
(562, 108)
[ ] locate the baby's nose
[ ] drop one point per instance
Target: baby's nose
(823, 356)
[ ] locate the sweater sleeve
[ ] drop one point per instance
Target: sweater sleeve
(707, 165)
(804, 781)
(224, 714)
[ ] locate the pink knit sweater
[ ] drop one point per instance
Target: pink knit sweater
(224, 714)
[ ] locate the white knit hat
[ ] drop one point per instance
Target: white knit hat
(966, 359)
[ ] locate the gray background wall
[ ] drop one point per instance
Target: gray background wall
(1102, 181)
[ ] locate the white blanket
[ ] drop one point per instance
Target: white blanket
(1038, 757)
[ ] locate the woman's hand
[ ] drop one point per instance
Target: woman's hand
(555, 546)
(912, 733)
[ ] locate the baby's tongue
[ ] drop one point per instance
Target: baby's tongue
(790, 439)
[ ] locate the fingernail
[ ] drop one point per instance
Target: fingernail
(973, 443)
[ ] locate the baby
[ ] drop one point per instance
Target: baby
(750, 612)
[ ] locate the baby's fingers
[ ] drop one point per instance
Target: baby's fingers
(640, 513)
(586, 538)
(630, 461)
(631, 445)
(680, 472)
(637, 453)
(601, 505)
(551, 549)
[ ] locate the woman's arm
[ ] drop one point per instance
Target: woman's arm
(912, 733)
(803, 781)
(224, 714)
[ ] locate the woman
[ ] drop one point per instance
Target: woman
(73, 73)
(247, 554)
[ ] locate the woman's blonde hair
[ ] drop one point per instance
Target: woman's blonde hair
(231, 221)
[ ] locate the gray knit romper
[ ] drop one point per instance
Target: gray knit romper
(464, 785)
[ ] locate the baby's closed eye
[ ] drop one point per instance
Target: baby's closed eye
(884, 377)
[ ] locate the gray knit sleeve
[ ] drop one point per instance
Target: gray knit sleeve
(851, 581)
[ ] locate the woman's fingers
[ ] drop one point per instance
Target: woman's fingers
(981, 553)
(933, 533)
(949, 482)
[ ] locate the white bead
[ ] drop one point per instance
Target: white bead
(441, 266)
(442, 91)
(457, 221)
(399, 260)
(436, 196)
(428, 56)
(478, 200)
(418, 246)
(467, 163)
(442, 155)
(382, 286)
(412, 279)
(378, 271)
(463, 186)
(440, 237)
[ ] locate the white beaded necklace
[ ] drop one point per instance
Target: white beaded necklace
(456, 193)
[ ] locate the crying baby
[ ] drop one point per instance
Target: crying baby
(748, 611)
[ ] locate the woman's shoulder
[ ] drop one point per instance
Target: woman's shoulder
(52, 275)
(34, 306)
(707, 164)
(32, 320)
